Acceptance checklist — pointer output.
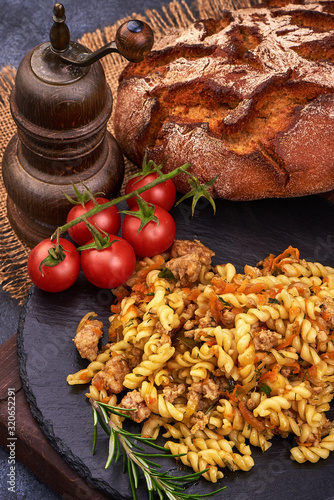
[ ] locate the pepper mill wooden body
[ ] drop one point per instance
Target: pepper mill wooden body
(61, 110)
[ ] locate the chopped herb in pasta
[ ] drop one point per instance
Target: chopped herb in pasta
(219, 361)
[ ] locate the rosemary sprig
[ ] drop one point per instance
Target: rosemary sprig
(136, 458)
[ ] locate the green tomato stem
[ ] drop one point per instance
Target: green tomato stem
(98, 208)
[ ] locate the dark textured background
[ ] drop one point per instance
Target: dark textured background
(24, 24)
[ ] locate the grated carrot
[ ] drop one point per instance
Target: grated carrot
(270, 375)
(99, 384)
(288, 252)
(249, 417)
(84, 375)
(275, 291)
(326, 316)
(242, 287)
(144, 272)
(313, 371)
(287, 342)
(98, 331)
(115, 308)
(296, 366)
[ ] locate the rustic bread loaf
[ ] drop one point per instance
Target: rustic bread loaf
(248, 98)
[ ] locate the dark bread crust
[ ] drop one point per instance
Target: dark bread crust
(248, 98)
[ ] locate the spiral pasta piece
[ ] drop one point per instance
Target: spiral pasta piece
(314, 453)
(148, 366)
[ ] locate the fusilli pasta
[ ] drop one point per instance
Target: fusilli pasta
(224, 360)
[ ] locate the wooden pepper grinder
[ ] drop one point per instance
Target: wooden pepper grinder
(61, 104)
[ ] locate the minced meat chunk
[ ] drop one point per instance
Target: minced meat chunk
(250, 404)
(134, 357)
(186, 247)
(328, 307)
(207, 320)
(209, 389)
(285, 371)
(187, 260)
(228, 318)
(133, 399)
(186, 269)
(203, 393)
(264, 340)
(87, 337)
(173, 391)
(198, 421)
(165, 339)
(112, 375)
(252, 272)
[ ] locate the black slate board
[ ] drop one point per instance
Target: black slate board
(239, 233)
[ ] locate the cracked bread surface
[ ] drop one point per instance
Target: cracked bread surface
(248, 98)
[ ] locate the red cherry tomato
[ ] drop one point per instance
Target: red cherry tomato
(111, 266)
(56, 278)
(109, 220)
(153, 238)
(163, 194)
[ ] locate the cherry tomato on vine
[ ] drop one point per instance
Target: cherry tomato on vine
(153, 238)
(57, 277)
(163, 194)
(109, 220)
(108, 267)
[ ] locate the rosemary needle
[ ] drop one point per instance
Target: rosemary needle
(165, 485)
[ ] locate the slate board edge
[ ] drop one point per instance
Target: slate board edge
(46, 426)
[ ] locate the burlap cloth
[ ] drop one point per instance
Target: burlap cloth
(13, 253)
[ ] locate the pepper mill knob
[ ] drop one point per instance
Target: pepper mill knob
(134, 39)
(59, 33)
